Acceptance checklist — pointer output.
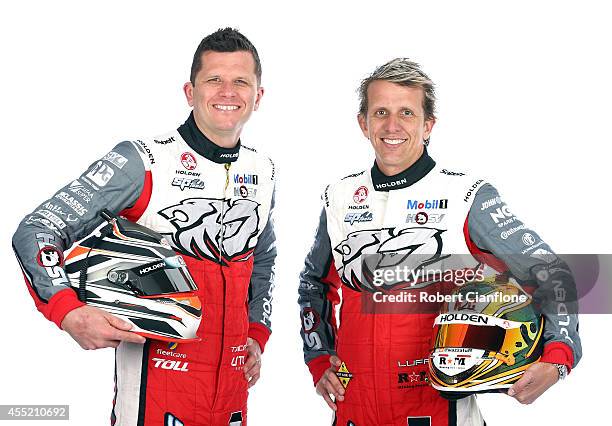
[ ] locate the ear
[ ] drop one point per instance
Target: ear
(363, 124)
(188, 90)
(260, 93)
(428, 127)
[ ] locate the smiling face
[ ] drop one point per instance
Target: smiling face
(395, 124)
(224, 94)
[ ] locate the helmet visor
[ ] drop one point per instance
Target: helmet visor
(162, 277)
(489, 338)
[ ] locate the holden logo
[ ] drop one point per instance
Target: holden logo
(360, 195)
(188, 161)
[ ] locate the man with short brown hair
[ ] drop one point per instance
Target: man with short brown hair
(212, 198)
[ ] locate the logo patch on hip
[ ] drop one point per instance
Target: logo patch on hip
(344, 375)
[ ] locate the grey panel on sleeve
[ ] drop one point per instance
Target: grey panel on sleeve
(262, 278)
(113, 182)
(494, 228)
(318, 331)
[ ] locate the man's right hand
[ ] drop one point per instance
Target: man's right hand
(93, 328)
(329, 384)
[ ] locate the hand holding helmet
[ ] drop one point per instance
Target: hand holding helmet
(93, 328)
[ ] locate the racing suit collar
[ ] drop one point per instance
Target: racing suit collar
(198, 141)
(404, 179)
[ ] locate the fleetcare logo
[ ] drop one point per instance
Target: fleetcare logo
(360, 195)
(170, 353)
(188, 160)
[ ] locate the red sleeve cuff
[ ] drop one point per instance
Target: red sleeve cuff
(59, 305)
(558, 353)
(317, 367)
(260, 333)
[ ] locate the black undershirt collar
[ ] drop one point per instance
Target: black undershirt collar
(404, 179)
(197, 141)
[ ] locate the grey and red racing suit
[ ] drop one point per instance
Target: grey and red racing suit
(213, 205)
(429, 211)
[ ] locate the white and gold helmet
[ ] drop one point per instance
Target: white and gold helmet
(484, 339)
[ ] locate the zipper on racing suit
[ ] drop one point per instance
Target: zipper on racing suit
(220, 259)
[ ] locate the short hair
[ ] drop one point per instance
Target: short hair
(224, 40)
(404, 72)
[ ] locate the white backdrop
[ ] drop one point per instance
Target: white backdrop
(523, 93)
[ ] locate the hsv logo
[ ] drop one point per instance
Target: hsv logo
(203, 224)
(310, 320)
(421, 218)
(361, 194)
(51, 259)
(310, 323)
(49, 256)
(188, 161)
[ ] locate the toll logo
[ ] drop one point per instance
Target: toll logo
(170, 364)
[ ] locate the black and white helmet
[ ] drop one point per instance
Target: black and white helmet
(132, 272)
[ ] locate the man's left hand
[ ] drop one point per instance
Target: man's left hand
(252, 366)
(535, 381)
